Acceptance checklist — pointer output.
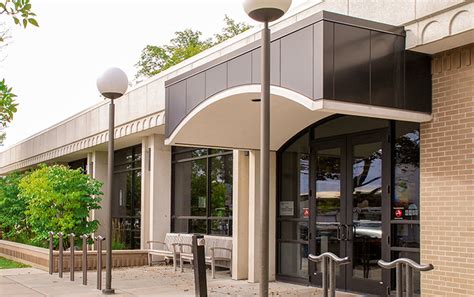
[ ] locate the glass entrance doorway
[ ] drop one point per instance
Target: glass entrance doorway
(349, 201)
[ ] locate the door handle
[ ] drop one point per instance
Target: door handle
(343, 232)
(338, 232)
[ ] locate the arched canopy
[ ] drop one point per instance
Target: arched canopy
(231, 118)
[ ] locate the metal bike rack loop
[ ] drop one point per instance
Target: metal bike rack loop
(51, 252)
(60, 254)
(408, 265)
(329, 262)
(71, 258)
(84, 238)
(98, 241)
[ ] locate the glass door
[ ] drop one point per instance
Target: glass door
(350, 208)
(367, 199)
(328, 206)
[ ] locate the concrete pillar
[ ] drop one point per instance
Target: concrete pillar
(254, 211)
(240, 223)
(97, 168)
(156, 188)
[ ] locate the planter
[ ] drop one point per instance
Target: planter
(39, 257)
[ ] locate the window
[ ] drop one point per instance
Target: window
(82, 163)
(126, 212)
(202, 191)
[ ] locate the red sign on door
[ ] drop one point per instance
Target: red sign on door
(306, 212)
(398, 213)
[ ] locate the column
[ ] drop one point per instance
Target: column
(97, 168)
(254, 212)
(240, 213)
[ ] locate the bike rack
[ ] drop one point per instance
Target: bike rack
(408, 265)
(60, 254)
(84, 238)
(51, 252)
(329, 262)
(71, 258)
(99, 240)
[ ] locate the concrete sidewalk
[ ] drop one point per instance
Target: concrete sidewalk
(139, 281)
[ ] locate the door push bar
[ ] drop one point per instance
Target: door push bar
(408, 265)
(329, 262)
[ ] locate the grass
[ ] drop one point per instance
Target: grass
(6, 264)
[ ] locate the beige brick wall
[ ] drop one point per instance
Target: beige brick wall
(447, 177)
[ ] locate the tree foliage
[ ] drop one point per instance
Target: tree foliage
(59, 199)
(22, 15)
(155, 59)
(12, 209)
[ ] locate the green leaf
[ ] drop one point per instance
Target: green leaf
(25, 23)
(17, 21)
(33, 22)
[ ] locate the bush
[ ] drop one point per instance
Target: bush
(12, 209)
(59, 199)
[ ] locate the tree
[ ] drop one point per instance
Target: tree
(20, 12)
(155, 59)
(231, 29)
(59, 199)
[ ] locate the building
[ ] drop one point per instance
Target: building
(372, 137)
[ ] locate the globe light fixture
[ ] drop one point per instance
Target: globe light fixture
(265, 11)
(112, 84)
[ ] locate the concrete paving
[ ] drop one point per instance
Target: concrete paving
(139, 281)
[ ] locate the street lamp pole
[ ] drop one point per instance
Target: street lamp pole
(265, 11)
(112, 84)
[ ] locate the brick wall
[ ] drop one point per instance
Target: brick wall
(447, 177)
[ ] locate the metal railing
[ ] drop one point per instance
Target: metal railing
(408, 265)
(98, 242)
(329, 261)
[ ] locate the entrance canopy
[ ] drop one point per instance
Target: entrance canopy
(323, 65)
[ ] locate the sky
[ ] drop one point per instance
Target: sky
(53, 68)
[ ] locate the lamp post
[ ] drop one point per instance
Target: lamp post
(112, 84)
(265, 11)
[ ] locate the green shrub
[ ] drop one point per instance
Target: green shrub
(59, 199)
(13, 221)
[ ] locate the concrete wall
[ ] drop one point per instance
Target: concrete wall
(447, 177)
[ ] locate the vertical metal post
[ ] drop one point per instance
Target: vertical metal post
(60, 254)
(409, 280)
(51, 254)
(324, 268)
(264, 161)
(110, 179)
(399, 279)
(200, 281)
(332, 278)
(71, 259)
(98, 241)
(84, 258)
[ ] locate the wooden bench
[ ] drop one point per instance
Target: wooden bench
(218, 251)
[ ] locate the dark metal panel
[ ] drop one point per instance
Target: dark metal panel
(323, 60)
(351, 64)
(239, 71)
(195, 91)
(274, 64)
(385, 72)
(417, 81)
(216, 79)
(176, 105)
(167, 112)
(297, 61)
(318, 58)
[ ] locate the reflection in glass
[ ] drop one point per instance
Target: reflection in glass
(407, 172)
(367, 215)
(198, 188)
(293, 259)
(406, 235)
(328, 201)
(221, 186)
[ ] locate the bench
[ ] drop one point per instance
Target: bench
(218, 252)
(167, 248)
